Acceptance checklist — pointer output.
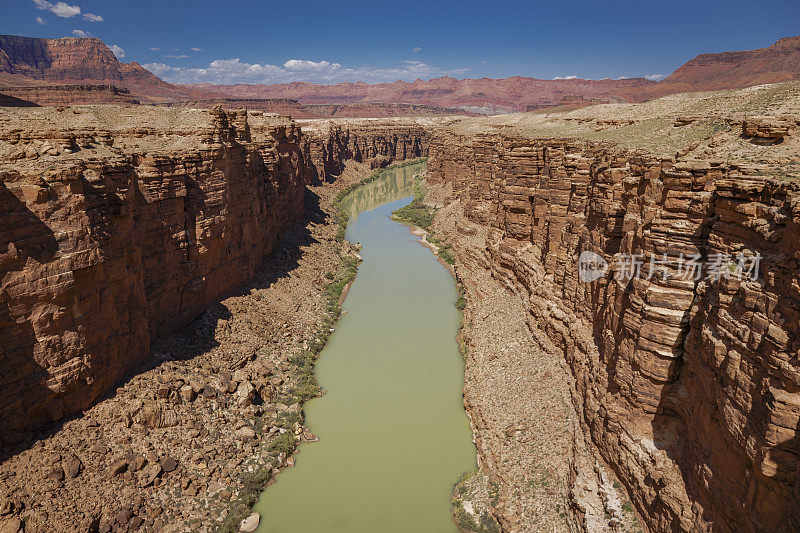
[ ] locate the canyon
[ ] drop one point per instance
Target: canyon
(124, 226)
(121, 227)
(162, 269)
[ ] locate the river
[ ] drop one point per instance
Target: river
(394, 437)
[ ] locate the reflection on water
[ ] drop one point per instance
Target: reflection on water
(394, 437)
(392, 185)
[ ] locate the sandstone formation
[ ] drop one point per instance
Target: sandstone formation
(725, 70)
(482, 96)
(107, 246)
(56, 95)
(729, 70)
(292, 107)
(192, 434)
(689, 389)
(327, 145)
(26, 61)
(121, 226)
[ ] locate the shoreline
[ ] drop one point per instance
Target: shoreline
(476, 521)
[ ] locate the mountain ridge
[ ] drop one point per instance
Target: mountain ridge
(75, 60)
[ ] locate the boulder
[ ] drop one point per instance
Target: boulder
(72, 466)
(767, 128)
(169, 464)
(117, 467)
(250, 524)
(245, 393)
(14, 525)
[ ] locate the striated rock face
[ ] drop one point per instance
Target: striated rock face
(726, 70)
(326, 146)
(50, 95)
(32, 61)
(107, 248)
(292, 107)
(689, 389)
(484, 96)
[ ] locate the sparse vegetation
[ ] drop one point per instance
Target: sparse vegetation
(284, 443)
(416, 213)
(252, 486)
(479, 520)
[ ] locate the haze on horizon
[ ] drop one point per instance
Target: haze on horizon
(253, 42)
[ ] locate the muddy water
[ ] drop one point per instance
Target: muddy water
(394, 437)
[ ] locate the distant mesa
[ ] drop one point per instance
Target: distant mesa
(731, 70)
(86, 71)
(30, 61)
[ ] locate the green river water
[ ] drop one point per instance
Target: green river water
(394, 437)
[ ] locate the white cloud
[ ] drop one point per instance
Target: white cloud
(41, 21)
(81, 33)
(304, 65)
(195, 49)
(570, 77)
(237, 71)
(176, 56)
(91, 17)
(417, 49)
(160, 69)
(60, 9)
(656, 77)
(119, 52)
(155, 48)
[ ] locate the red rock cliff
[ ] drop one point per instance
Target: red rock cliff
(327, 145)
(690, 390)
(107, 246)
(33, 61)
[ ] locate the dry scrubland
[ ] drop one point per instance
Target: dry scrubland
(706, 125)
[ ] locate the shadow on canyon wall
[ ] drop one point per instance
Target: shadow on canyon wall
(24, 237)
(195, 339)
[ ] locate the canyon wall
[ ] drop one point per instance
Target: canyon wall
(53, 95)
(102, 255)
(688, 388)
(326, 146)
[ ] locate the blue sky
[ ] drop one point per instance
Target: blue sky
(326, 42)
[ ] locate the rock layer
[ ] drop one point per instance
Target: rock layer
(35, 61)
(51, 95)
(327, 145)
(689, 389)
(102, 255)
